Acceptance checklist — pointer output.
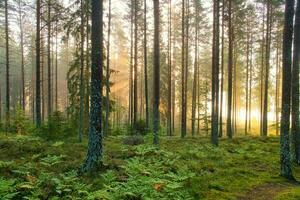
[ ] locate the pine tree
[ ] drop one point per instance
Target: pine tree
(295, 85)
(285, 159)
(156, 71)
(94, 154)
(7, 68)
(38, 65)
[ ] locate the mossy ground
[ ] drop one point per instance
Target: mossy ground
(191, 168)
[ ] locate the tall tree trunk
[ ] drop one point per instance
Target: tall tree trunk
(156, 75)
(42, 76)
(108, 71)
(81, 109)
(187, 23)
(38, 63)
(295, 85)
(135, 67)
(56, 65)
(250, 83)
(145, 66)
(169, 115)
(195, 81)
(87, 71)
(215, 75)
(94, 154)
(183, 106)
(247, 76)
(262, 73)
(222, 70)
(278, 72)
(230, 63)
(7, 69)
(49, 103)
(130, 113)
(267, 66)
(22, 56)
(285, 159)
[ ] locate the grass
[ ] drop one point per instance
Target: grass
(191, 168)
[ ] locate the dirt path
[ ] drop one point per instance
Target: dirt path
(267, 191)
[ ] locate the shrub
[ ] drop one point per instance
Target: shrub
(133, 140)
(140, 128)
(20, 123)
(56, 127)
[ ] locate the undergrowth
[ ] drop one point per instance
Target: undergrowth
(33, 168)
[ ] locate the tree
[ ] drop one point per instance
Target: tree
(108, 70)
(222, 69)
(285, 160)
(94, 154)
(7, 68)
(49, 95)
(195, 79)
(135, 64)
(267, 68)
(38, 66)
(82, 38)
(20, 10)
(183, 73)
(295, 85)
(215, 75)
(156, 72)
(230, 63)
(145, 66)
(169, 113)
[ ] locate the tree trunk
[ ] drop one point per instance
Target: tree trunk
(56, 65)
(247, 76)
(49, 103)
(108, 71)
(195, 81)
(267, 66)
(183, 106)
(22, 56)
(156, 75)
(135, 74)
(222, 70)
(38, 63)
(262, 74)
(285, 159)
(7, 69)
(230, 63)
(295, 85)
(81, 109)
(145, 66)
(215, 75)
(94, 154)
(169, 115)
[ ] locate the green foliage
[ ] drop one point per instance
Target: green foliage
(21, 124)
(57, 127)
(33, 168)
(139, 128)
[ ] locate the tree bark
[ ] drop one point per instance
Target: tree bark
(108, 71)
(295, 85)
(94, 154)
(7, 69)
(230, 63)
(38, 63)
(156, 75)
(145, 66)
(81, 109)
(285, 156)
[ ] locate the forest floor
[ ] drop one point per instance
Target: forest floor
(245, 168)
